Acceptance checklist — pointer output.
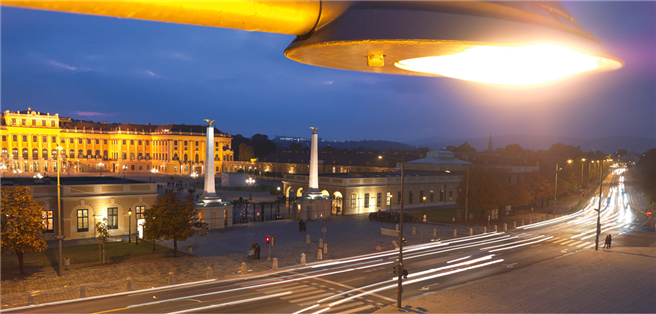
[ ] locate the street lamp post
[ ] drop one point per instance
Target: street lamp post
(130, 225)
(390, 202)
(399, 269)
(250, 182)
(136, 225)
(60, 236)
(601, 183)
(467, 194)
(581, 183)
(424, 216)
(124, 168)
(100, 165)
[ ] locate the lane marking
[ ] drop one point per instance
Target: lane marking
(316, 296)
(298, 295)
(357, 309)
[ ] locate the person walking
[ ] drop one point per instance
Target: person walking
(610, 239)
(300, 225)
(257, 250)
(304, 225)
(606, 242)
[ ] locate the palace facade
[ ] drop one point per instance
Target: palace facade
(30, 140)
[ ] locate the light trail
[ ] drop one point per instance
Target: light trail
(506, 244)
(305, 309)
(525, 244)
(458, 259)
(233, 303)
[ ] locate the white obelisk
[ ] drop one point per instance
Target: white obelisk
(210, 192)
(313, 185)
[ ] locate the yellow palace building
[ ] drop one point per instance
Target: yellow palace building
(30, 140)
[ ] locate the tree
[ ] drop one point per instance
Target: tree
(103, 235)
(566, 151)
(487, 189)
(22, 223)
(519, 195)
(170, 219)
(646, 173)
(327, 149)
(245, 152)
(262, 145)
(295, 147)
(539, 187)
(514, 150)
(237, 140)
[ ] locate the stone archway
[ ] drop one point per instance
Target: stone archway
(337, 204)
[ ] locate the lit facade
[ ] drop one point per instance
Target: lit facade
(30, 140)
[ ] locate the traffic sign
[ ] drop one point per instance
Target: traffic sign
(649, 213)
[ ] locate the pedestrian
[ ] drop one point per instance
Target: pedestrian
(610, 239)
(300, 225)
(606, 242)
(257, 250)
(304, 225)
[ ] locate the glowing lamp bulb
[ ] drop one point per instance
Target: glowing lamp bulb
(525, 65)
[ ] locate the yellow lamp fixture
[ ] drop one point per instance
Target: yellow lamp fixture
(510, 42)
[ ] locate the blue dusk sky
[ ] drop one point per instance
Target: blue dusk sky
(119, 70)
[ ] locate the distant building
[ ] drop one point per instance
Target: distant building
(490, 148)
(30, 139)
(87, 200)
(435, 177)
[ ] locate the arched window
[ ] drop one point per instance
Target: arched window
(35, 154)
(105, 154)
(4, 150)
(175, 156)
(24, 153)
(54, 153)
(44, 153)
(196, 158)
(185, 157)
(80, 154)
(14, 153)
(71, 153)
(97, 153)
(88, 153)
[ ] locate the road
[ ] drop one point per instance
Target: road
(365, 283)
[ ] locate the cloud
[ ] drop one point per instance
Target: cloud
(92, 114)
(180, 56)
(327, 82)
(63, 66)
(152, 74)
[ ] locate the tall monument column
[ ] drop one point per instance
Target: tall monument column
(313, 184)
(210, 192)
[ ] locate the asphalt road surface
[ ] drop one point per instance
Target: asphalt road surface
(363, 284)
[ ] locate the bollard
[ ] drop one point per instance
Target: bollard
(484, 229)
(397, 227)
(505, 226)
(302, 258)
(414, 231)
(30, 297)
(209, 272)
(471, 231)
(434, 233)
(495, 228)
(514, 225)
(129, 284)
(396, 246)
(275, 263)
(455, 233)
(522, 223)
(319, 255)
(83, 291)
(325, 248)
(320, 243)
(244, 271)
(171, 278)
(307, 239)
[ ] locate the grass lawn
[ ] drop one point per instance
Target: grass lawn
(83, 254)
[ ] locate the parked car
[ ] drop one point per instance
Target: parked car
(406, 217)
(389, 217)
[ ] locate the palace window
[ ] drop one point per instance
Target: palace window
(354, 200)
(175, 142)
(24, 153)
(23, 122)
(131, 142)
(44, 153)
(35, 153)
(14, 153)
(13, 121)
(88, 153)
(63, 140)
(88, 141)
(48, 221)
(147, 142)
(366, 200)
(97, 141)
(132, 167)
(72, 141)
(441, 195)
(138, 211)
(410, 197)
(421, 196)
(112, 218)
(54, 140)
(43, 122)
(105, 142)
(432, 196)
(79, 140)
(398, 197)
(71, 153)
(54, 153)
(14, 138)
(52, 124)
(35, 138)
(185, 143)
(45, 139)
(123, 142)
(4, 138)
(33, 122)
(82, 220)
(379, 199)
(80, 154)
(24, 138)
(450, 194)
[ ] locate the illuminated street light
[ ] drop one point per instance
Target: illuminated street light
(250, 182)
(59, 236)
(511, 43)
(100, 165)
(125, 167)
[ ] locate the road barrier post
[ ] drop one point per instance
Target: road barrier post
(514, 225)
(129, 284)
(414, 231)
(244, 271)
(83, 291)
(325, 248)
(171, 278)
(307, 239)
(209, 272)
(30, 297)
(319, 255)
(484, 229)
(275, 263)
(434, 233)
(455, 233)
(505, 226)
(495, 228)
(320, 243)
(471, 231)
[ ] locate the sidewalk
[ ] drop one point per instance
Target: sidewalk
(618, 280)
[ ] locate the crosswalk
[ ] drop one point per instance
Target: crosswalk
(571, 242)
(306, 294)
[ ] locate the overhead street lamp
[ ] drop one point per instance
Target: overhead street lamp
(250, 182)
(513, 43)
(125, 167)
(399, 266)
(60, 236)
(130, 225)
(581, 183)
(100, 165)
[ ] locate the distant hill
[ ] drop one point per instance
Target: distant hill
(373, 144)
(605, 144)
